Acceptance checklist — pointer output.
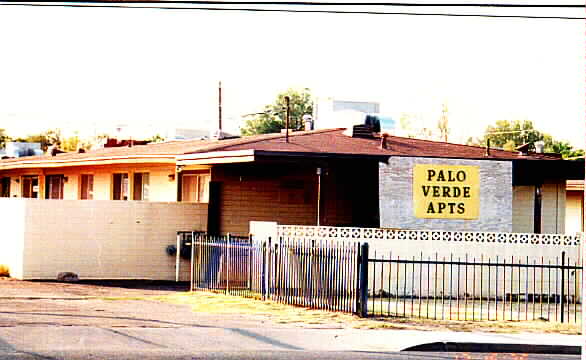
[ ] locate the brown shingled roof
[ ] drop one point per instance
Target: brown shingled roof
(331, 141)
(335, 142)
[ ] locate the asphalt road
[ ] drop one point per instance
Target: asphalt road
(32, 327)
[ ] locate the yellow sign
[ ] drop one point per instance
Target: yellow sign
(446, 191)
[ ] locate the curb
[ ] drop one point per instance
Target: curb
(498, 348)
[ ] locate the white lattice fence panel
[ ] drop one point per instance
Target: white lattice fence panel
(367, 234)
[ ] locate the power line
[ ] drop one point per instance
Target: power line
(103, 5)
(325, 3)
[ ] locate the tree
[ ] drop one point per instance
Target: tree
(272, 119)
(509, 135)
(413, 126)
(156, 139)
(3, 138)
(442, 124)
(46, 138)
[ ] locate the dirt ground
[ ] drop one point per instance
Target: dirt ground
(116, 288)
(168, 304)
(102, 304)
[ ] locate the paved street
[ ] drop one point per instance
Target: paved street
(67, 326)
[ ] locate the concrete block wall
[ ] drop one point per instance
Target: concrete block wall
(103, 239)
(574, 211)
(12, 230)
(396, 196)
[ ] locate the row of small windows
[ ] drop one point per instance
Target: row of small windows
(194, 187)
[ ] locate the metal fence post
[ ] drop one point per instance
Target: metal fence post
(192, 270)
(363, 281)
(227, 263)
(267, 269)
(563, 287)
(177, 257)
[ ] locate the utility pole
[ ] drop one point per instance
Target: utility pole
(287, 114)
(443, 123)
(220, 106)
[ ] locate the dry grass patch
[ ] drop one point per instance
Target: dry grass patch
(4, 271)
(287, 314)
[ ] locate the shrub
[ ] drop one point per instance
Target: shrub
(4, 271)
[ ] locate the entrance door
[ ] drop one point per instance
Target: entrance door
(30, 187)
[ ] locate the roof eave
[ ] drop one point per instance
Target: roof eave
(112, 160)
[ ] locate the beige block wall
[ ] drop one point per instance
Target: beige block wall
(553, 213)
(574, 211)
(553, 209)
(523, 201)
(12, 229)
(106, 239)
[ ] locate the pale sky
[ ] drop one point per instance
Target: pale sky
(84, 69)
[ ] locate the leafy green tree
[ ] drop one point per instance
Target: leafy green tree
(46, 138)
(272, 119)
(156, 139)
(511, 134)
(4, 138)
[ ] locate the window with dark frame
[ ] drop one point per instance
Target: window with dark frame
(54, 186)
(87, 187)
(195, 188)
(140, 186)
(120, 186)
(5, 187)
(30, 187)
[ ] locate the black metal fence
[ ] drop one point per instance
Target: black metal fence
(311, 273)
(465, 288)
(341, 276)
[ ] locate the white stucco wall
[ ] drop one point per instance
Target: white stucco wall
(12, 230)
(98, 239)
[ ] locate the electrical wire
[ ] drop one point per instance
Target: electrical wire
(325, 3)
(119, 5)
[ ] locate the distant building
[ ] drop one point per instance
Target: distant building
(330, 113)
(21, 149)
(187, 134)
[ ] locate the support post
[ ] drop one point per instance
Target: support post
(563, 287)
(287, 115)
(362, 307)
(177, 257)
(227, 263)
(192, 270)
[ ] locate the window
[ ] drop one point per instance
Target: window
(54, 186)
(120, 187)
(140, 186)
(195, 188)
(87, 187)
(30, 187)
(5, 187)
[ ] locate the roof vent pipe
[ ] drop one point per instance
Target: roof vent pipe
(383, 141)
(539, 146)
